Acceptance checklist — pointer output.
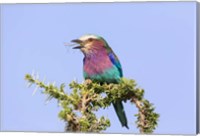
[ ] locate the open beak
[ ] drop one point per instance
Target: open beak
(79, 42)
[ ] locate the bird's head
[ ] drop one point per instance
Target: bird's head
(90, 43)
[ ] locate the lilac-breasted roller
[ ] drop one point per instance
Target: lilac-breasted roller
(100, 64)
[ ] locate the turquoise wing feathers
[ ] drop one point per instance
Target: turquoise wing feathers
(116, 62)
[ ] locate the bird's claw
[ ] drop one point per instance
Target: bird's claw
(88, 81)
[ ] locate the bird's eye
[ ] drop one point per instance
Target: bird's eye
(90, 39)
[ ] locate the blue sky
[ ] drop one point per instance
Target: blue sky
(155, 43)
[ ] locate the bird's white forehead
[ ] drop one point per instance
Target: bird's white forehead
(85, 37)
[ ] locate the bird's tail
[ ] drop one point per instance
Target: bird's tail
(119, 109)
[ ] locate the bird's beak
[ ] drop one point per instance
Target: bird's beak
(79, 42)
(76, 41)
(78, 47)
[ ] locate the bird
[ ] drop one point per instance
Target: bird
(100, 64)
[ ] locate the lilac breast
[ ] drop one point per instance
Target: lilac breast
(97, 63)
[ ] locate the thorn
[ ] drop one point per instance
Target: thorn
(59, 104)
(35, 90)
(33, 72)
(48, 99)
(37, 76)
(75, 80)
(28, 84)
(54, 83)
(44, 79)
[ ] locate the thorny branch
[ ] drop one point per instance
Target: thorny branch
(141, 120)
(79, 106)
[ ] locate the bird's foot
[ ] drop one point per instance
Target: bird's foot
(88, 81)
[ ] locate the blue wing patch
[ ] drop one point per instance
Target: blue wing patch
(116, 62)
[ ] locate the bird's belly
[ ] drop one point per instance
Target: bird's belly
(110, 75)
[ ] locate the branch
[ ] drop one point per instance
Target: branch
(141, 120)
(79, 106)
